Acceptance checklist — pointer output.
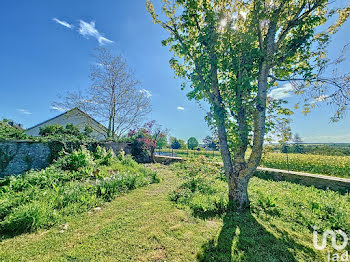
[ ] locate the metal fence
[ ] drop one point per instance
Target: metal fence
(213, 155)
(187, 153)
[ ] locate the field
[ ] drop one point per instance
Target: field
(168, 221)
(317, 164)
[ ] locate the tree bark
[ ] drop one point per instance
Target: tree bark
(238, 190)
(152, 150)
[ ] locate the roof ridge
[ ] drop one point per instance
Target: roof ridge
(75, 108)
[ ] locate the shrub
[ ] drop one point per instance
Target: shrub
(8, 132)
(51, 130)
(139, 151)
(5, 207)
(109, 187)
(129, 161)
(40, 199)
(121, 154)
(26, 218)
(66, 139)
(78, 159)
(70, 131)
(103, 157)
(203, 190)
(99, 153)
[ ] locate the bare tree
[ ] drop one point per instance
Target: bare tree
(297, 139)
(113, 96)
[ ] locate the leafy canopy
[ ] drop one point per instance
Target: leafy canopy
(192, 143)
(8, 132)
(226, 43)
(69, 132)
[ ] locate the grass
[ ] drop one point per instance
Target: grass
(144, 225)
(74, 184)
(284, 210)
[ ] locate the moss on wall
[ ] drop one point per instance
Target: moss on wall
(5, 157)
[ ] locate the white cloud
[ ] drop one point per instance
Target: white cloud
(89, 29)
(180, 108)
(282, 92)
(24, 111)
(342, 138)
(146, 93)
(57, 108)
(64, 23)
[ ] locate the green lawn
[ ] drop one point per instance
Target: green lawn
(144, 225)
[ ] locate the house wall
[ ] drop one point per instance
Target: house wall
(74, 117)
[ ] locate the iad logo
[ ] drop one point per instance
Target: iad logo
(333, 235)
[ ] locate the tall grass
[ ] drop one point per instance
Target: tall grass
(73, 184)
(279, 225)
(205, 191)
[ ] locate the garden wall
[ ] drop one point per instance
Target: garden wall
(17, 157)
(116, 147)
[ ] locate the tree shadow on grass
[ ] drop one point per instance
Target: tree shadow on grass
(242, 238)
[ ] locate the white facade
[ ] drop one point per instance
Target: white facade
(75, 117)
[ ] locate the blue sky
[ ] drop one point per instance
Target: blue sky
(42, 56)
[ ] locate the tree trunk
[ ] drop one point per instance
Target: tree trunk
(152, 150)
(238, 188)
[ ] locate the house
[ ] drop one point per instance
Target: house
(76, 117)
(15, 125)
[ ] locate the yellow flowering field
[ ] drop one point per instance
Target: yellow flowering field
(316, 164)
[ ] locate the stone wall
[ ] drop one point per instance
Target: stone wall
(17, 157)
(116, 147)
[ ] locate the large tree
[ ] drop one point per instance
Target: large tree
(175, 143)
(113, 96)
(162, 141)
(192, 143)
(209, 142)
(233, 52)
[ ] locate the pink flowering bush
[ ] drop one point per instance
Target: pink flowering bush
(145, 141)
